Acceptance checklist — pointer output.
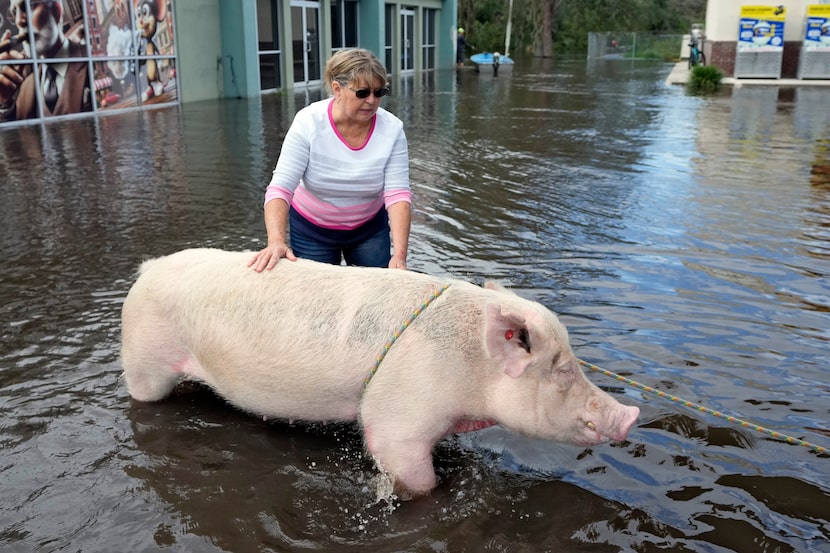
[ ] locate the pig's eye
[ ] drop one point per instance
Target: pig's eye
(559, 370)
(555, 360)
(565, 375)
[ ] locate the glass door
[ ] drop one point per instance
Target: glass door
(305, 40)
(407, 40)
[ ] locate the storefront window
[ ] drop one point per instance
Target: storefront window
(343, 24)
(429, 38)
(389, 26)
(268, 35)
(89, 56)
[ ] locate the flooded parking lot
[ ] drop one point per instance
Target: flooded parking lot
(683, 240)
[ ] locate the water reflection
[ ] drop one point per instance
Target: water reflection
(682, 239)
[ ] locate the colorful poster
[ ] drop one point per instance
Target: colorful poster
(761, 28)
(115, 84)
(110, 28)
(111, 36)
(14, 35)
(62, 57)
(817, 30)
(154, 32)
(46, 78)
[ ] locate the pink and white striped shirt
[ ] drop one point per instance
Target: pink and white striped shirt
(332, 184)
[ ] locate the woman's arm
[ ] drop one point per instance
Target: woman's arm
(291, 165)
(398, 198)
(400, 221)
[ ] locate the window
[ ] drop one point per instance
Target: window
(428, 39)
(268, 37)
(344, 24)
(389, 22)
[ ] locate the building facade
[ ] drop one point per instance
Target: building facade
(114, 55)
(781, 39)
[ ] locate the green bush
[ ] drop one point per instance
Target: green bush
(705, 78)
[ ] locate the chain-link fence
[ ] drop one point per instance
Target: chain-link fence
(634, 45)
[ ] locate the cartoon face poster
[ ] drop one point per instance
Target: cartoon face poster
(761, 28)
(817, 29)
(133, 40)
(155, 36)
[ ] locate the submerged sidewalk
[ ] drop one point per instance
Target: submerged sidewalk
(680, 75)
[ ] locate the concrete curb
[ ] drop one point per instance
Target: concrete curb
(680, 75)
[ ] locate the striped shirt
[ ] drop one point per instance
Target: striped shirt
(332, 184)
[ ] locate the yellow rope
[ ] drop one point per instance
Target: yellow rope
(703, 409)
(398, 333)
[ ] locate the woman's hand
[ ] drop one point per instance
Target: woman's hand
(397, 263)
(268, 257)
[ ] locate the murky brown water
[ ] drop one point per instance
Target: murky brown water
(685, 241)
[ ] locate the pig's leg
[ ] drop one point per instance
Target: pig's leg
(152, 358)
(400, 433)
(404, 450)
(408, 462)
(406, 409)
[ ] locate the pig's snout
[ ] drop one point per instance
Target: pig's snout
(617, 426)
(629, 417)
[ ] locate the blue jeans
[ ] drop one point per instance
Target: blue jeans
(367, 246)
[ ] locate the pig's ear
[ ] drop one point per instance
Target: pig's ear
(506, 337)
(493, 285)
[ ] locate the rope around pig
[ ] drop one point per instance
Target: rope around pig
(398, 333)
(697, 406)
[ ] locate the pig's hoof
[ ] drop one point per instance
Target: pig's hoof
(384, 488)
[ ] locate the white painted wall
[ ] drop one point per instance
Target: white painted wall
(199, 46)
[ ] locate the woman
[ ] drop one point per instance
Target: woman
(342, 178)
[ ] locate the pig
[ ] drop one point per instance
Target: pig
(411, 357)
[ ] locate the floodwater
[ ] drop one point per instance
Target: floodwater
(684, 241)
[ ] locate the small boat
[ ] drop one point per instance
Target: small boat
(494, 62)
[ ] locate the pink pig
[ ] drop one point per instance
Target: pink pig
(302, 342)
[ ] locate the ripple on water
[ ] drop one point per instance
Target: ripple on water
(683, 241)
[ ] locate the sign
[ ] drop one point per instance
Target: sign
(817, 30)
(761, 29)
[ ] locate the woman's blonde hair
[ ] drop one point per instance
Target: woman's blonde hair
(350, 66)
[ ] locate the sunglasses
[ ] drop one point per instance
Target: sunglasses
(363, 93)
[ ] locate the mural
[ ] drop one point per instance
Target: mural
(60, 57)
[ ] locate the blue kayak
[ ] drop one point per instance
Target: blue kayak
(489, 61)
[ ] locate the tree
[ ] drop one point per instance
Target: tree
(541, 27)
